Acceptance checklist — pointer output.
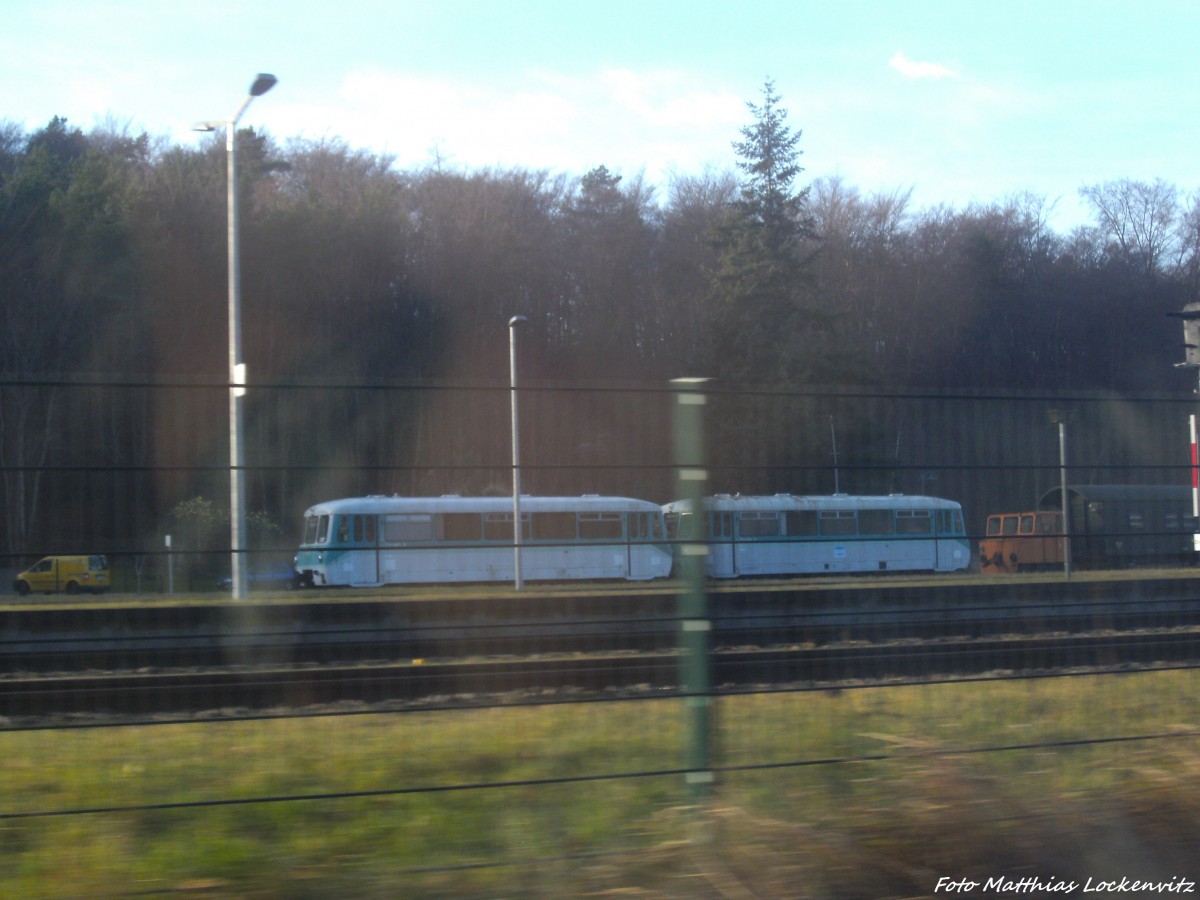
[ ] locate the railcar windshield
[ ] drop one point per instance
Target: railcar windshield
(679, 525)
(316, 529)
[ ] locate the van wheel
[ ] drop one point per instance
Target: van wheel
(22, 588)
(72, 587)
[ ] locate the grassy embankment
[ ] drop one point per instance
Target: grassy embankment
(882, 827)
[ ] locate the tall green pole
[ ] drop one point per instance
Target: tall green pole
(695, 627)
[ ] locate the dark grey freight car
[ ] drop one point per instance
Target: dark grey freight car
(1116, 525)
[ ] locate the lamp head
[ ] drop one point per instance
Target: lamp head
(263, 83)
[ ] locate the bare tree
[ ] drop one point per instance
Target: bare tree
(1138, 217)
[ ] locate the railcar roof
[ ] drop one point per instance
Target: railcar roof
(452, 503)
(768, 503)
(1118, 493)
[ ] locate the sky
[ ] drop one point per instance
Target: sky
(959, 102)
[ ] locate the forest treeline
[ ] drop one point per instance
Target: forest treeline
(113, 266)
(113, 260)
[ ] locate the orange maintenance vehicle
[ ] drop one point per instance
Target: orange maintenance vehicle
(1019, 542)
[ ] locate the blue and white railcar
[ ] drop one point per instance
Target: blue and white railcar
(370, 541)
(786, 534)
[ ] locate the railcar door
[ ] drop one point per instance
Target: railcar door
(648, 553)
(722, 556)
(366, 550)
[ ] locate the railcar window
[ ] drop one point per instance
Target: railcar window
(950, 521)
(322, 529)
(1026, 526)
(460, 526)
(758, 524)
(720, 525)
(800, 523)
(638, 525)
(600, 526)
(839, 522)
(671, 522)
(399, 528)
(553, 526)
(914, 521)
(310, 530)
(498, 527)
(343, 529)
(876, 521)
(993, 526)
(364, 529)
(680, 525)
(1010, 525)
(645, 526)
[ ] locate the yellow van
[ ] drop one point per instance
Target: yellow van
(65, 573)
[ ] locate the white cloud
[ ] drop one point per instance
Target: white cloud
(630, 120)
(912, 69)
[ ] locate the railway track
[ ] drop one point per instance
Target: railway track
(462, 681)
(74, 640)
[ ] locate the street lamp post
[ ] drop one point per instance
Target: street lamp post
(237, 369)
(518, 580)
(1059, 418)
